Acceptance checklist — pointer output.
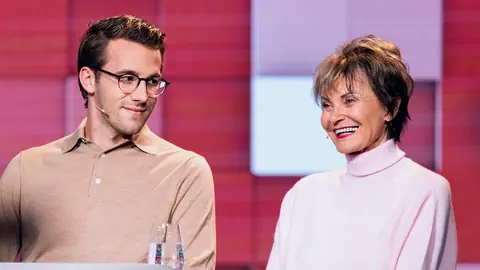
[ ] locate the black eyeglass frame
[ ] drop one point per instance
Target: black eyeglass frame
(119, 77)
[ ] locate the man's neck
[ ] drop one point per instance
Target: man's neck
(101, 133)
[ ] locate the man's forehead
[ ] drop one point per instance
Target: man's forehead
(124, 54)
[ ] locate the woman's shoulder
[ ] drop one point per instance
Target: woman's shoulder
(310, 187)
(424, 177)
(318, 180)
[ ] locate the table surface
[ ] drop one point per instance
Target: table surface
(79, 266)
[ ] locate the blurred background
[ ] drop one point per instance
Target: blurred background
(241, 94)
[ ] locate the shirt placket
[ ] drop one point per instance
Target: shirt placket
(97, 176)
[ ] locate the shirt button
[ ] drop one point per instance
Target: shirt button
(98, 180)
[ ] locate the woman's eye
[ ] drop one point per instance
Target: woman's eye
(325, 106)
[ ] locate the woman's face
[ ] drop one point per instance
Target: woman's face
(356, 120)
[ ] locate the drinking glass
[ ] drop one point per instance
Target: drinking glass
(166, 246)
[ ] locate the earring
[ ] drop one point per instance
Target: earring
(327, 137)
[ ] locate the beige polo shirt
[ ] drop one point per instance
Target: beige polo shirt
(70, 201)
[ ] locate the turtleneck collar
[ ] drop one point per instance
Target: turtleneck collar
(375, 160)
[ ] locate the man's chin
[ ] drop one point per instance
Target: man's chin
(131, 129)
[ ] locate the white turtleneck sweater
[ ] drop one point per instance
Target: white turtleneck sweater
(383, 211)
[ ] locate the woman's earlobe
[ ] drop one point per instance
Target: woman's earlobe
(390, 115)
(388, 118)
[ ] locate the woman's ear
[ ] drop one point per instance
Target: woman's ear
(86, 76)
(389, 116)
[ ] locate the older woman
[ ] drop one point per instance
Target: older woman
(383, 211)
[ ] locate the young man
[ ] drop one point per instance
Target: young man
(93, 196)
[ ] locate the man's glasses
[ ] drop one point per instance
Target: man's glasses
(128, 83)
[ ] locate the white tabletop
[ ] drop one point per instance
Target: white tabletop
(79, 266)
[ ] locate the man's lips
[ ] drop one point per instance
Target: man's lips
(135, 110)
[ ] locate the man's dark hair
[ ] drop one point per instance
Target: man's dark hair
(91, 52)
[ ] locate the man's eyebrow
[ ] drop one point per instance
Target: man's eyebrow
(129, 71)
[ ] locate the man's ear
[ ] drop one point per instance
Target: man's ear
(389, 116)
(86, 76)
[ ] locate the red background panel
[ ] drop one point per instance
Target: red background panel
(33, 42)
(31, 114)
(212, 117)
(234, 209)
(418, 141)
(208, 39)
(461, 119)
(74, 105)
(269, 193)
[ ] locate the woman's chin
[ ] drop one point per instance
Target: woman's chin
(348, 152)
(348, 149)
